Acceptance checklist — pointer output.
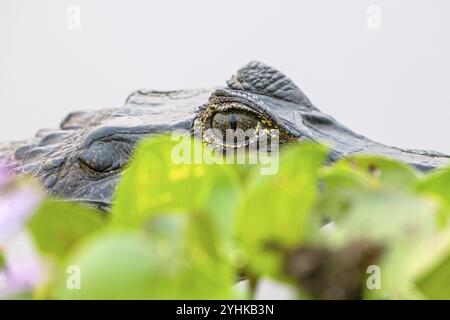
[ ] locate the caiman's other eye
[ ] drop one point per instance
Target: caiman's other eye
(104, 156)
(234, 120)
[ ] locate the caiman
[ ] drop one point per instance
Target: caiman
(83, 159)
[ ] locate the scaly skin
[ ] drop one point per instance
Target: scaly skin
(82, 160)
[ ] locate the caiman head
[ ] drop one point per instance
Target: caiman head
(82, 160)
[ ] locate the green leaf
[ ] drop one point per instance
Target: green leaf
(340, 188)
(372, 198)
(2, 260)
(353, 177)
(387, 216)
(177, 257)
(437, 185)
(383, 172)
(277, 208)
(435, 283)
(114, 266)
(194, 243)
(156, 182)
(57, 226)
(402, 223)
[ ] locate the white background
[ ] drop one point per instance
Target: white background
(392, 84)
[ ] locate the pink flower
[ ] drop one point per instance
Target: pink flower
(4, 175)
(23, 270)
(17, 204)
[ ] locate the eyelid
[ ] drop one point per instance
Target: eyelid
(103, 157)
(238, 107)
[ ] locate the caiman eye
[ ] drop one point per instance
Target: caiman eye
(234, 120)
(104, 156)
(228, 124)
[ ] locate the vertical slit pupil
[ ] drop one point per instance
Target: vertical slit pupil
(233, 121)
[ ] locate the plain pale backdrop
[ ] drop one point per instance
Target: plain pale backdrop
(392, 84)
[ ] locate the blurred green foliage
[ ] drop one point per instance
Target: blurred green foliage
(189, 231)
